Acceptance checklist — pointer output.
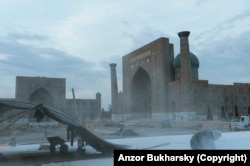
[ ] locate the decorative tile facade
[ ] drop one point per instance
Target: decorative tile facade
(156, 85)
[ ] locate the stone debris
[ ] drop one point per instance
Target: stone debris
(204, 139)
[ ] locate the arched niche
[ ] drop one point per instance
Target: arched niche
(141, 94)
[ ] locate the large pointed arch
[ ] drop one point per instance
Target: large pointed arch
(141, 94)
(42, 96)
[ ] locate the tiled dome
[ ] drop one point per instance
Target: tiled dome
(194, 61)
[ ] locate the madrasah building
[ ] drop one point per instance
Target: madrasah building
(52, 91)
(157, 85)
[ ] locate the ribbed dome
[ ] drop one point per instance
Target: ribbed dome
(194, 61)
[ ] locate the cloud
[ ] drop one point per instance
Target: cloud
(143, 36)
(80, 39)
(39, 58)
(226, 60)
(243, 14)
(26, 36)
(19, 59)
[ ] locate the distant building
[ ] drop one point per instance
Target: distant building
(158, 85)
(52, 91)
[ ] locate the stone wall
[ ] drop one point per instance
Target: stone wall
(201, 125)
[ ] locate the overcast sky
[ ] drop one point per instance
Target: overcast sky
(78, 39)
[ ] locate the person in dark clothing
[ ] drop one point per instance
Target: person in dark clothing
(71, 134)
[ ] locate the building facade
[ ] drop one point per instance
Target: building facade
(159, 85)
(52, 91)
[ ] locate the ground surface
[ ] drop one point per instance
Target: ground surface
(37, 135)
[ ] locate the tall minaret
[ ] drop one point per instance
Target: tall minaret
(114, 88)
(185, 73)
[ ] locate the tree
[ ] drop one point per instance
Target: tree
(236, 111)
(209, 114)
(106, 114)
(223, 113)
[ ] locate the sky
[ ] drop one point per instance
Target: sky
(78, 39)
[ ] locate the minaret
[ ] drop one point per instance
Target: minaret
(185, 73)
(98, 97)
(114, 88)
